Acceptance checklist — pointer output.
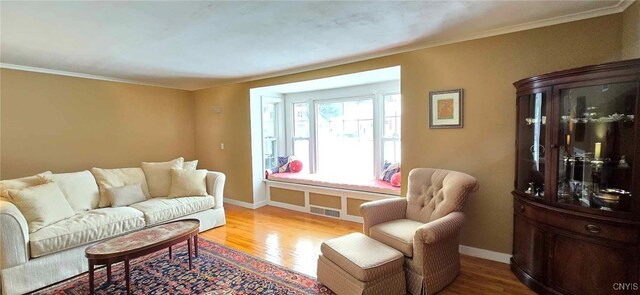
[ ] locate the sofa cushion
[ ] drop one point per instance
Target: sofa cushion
(159, 176)
(190, 165)
(125, 195)
(362, 257)
(188, 183)
(397, 234)
(41, 205)
(158, 210)
(20, 183)
(108, 178)
(83, 228)
(79, 188)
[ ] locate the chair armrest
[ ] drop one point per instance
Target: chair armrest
(440, 229)
(436, 251)
(215, 187)
(382, 211)
(14, 236)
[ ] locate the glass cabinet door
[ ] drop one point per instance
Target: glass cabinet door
(532, 122)
(596, 146)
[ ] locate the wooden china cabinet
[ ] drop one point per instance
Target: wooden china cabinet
(577, 188)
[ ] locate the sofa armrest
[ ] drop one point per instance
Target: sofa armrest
(440, 229)
(382, 211)
(14, 236)
(215, 187)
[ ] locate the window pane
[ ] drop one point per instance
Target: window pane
(269, 120)
(391, 116)
(391, 151)
(301, 120)
(345, 138)
(270, 141)
(392, 105)
(270, 155)
(301, 151)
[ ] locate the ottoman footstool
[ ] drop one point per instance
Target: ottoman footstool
(357, 264)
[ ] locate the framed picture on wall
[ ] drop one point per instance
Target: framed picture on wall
(445, 109)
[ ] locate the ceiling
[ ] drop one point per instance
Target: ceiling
(354, 79)
(193, 45)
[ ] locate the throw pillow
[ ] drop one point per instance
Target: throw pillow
(190, 165)
(388, 169)
(187, 183)
(41, 205)
(284, 163)
(159, 176)
(125, 195)
(79, 188)
(108, 178)
(20, 183)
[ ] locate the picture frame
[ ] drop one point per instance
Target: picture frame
(445, 109)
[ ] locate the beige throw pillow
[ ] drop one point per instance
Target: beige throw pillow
(20, 183)
(159, 176)
(41, 205)
(190, 165)
(188, 183)
(125, 195)
(108, 178)
(79, 188)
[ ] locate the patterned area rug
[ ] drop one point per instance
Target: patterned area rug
(217, 270)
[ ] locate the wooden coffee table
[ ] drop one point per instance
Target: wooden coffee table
(140, 243)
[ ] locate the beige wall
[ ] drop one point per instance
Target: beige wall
(631, 31)
(51, 122)
(231, 127)
(485, 68)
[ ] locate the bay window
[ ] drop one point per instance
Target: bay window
(347, 137)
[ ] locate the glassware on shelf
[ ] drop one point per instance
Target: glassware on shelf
(611, 199)
(596, 129)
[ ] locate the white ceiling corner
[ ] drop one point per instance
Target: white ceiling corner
(197, 44)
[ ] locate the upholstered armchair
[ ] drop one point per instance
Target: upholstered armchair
(424, 226)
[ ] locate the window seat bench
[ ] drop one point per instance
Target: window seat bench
(365, 185)
(328, 196)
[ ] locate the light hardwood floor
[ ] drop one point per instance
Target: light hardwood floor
(292, 239)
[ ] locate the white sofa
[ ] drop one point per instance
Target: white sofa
(29, 261)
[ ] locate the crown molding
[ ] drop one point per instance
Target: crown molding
(81, 75)
(618, 8)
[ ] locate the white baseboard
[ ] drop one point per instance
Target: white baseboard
(485, 254)
(288, 206)
(353, 218)
(245, 204)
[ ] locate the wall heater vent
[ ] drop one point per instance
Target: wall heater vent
(326, 212)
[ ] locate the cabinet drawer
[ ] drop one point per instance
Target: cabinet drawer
(594, 228)
(528, 211)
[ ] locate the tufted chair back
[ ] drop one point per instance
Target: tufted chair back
(434, 193)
